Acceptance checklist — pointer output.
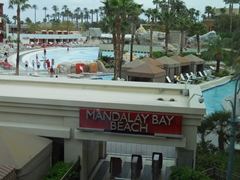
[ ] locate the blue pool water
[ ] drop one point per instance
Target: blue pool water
(213, 97)
(61, 55)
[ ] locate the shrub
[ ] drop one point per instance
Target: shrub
(185, 173)
(58, 171)
(223, 73)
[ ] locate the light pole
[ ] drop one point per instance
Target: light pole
(234, 121)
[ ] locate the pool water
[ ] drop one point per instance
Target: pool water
(61, 55)
(213, 97)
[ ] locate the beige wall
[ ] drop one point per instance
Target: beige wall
(50, 107)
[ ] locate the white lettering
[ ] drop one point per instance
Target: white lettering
(170, 119)
(115, 116)
(163, 120)
(145, 118)
(154, 119)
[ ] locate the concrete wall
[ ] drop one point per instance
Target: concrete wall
(50, 107)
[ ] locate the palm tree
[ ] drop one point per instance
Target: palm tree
(86, 14)
(135, 13)
(47, 16)
(55, 9)
(148, 14)
(216, 50)
(91, 11)
(231, 2)
(153, 14)
(21, 6)
(198, 29)
(182, 24)
(96, 11)
(167, 18)
(116, 13)
(45, 9)
(220, 126)
(208, 11)
(177, 5)
(77, 16)
(204, 129)
(35, 11)
(14, 19)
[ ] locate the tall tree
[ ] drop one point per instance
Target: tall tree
(96, 11)
(77, 16)
(231, 2)
(45, 11)
(21, 6)
(220, 126)
(198, 28)
(137, 10)
(92, 12)
(216, 50)
(182, 24)
(117, 11)
(208, 11)
(153, 14)
(35, 12)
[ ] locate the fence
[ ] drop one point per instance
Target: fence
(74, 172)
(219, 174)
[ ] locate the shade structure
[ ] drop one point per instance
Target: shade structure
(147, 72)
(29, 154)
(197, 64)
(171, 66)
(184, 63)
(130, 65)
(153, 62)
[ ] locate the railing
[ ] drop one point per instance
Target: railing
(219, 174)
(74, 172)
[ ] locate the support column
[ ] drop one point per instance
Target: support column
(74, 148)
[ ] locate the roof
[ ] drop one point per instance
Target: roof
(194, 58)
(147, 69)
(182, 60)
(7, 171)
(18, 148)
(141, 30)
(93, 32)
(153, 62)
(133, 64)
(168, 61)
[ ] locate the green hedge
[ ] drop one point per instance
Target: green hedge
(58, 171)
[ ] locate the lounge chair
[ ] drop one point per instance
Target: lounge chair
(191, 78)
(168, 79)
(212, 68)
(184, 79)
(201, 75)
(208, 75)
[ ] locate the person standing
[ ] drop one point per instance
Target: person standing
(38, 65)
(26, 64)
(36, 57)
(33, 64)
(44, 51)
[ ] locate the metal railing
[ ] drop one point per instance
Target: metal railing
(219, 174)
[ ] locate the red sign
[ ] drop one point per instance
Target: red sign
(130, 121)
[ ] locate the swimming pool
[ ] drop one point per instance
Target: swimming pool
(61, 55)
(213, 97)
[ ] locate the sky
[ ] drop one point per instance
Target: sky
(94, 4)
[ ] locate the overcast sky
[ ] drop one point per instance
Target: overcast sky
(94, 4)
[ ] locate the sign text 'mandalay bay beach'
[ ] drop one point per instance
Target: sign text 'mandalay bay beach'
(130, 121)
